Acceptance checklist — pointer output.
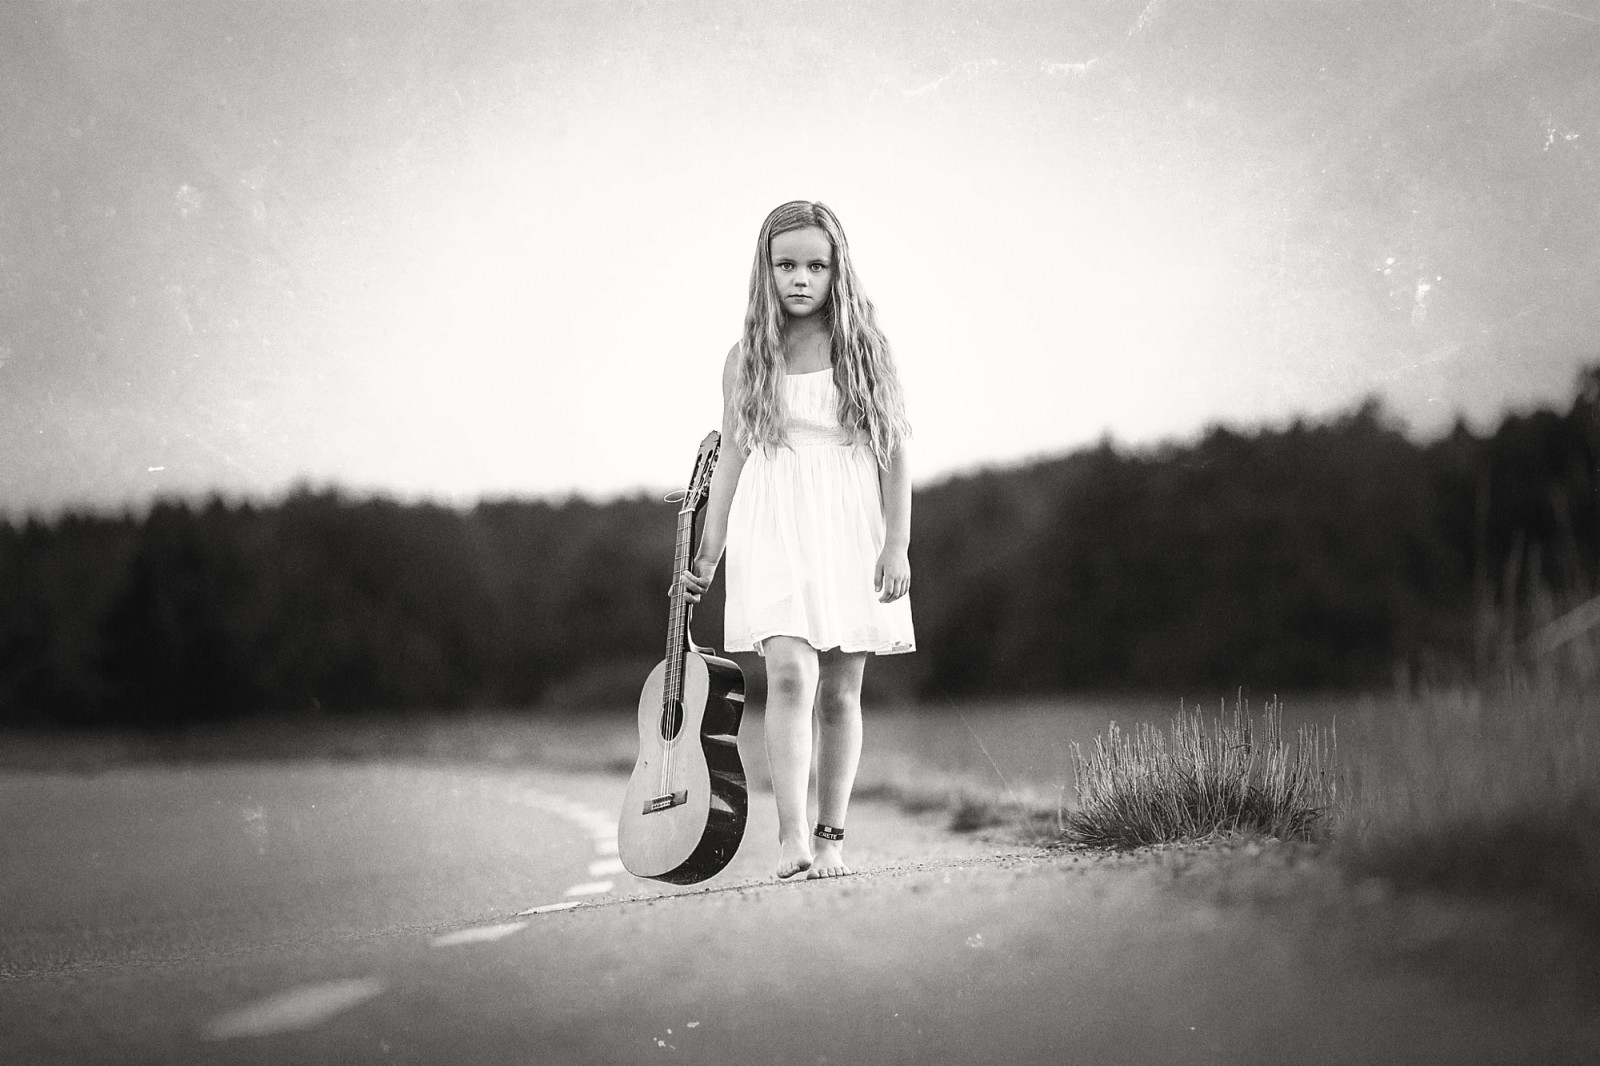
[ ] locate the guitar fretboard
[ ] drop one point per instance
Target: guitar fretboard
(678, 618)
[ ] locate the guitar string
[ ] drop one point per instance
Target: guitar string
(677, 654)
(674, 664)
(675, 717)
(678, 623)
(664, 725)
(673, 691)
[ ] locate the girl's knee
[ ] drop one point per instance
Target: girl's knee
(789, 686)
(839, 688)
(790, 680)
(838, 702)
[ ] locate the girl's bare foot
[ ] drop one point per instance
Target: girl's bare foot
(793, 857)
(829, 860)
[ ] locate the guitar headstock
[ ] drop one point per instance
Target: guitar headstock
(705, 464)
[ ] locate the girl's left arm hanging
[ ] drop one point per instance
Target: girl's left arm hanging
(893, 577)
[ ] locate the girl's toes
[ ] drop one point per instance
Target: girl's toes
(832, 870)
(792, 859)
(792, 867)
(829, 860)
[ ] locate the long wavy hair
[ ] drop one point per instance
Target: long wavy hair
(871, 404)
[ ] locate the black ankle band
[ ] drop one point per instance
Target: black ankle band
(828, 832)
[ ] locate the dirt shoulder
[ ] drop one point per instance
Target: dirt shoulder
(1009, 958)
(950, 947)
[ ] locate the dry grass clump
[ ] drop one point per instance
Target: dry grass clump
(1191, 782)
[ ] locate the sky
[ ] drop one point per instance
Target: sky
(456, 250)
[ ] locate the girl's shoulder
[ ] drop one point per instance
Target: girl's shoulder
(730, 369)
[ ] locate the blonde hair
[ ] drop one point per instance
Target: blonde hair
(871, 405)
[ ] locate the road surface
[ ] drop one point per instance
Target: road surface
(346, 912)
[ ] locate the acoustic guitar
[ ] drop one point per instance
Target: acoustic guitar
(684, 813)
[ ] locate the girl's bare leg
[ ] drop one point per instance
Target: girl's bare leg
(838, 751)
(791, 691)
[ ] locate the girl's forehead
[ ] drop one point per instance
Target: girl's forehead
(808, 243)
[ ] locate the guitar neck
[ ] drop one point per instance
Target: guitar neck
(678, 616)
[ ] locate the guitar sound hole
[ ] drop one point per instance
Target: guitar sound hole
(671, 719)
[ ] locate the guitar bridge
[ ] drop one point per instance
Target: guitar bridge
(662, 803)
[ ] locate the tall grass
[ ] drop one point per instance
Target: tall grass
(1191, 782)
(1486, 792)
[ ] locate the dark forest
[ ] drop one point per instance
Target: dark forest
(1338, 555)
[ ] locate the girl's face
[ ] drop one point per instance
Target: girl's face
(802, 270)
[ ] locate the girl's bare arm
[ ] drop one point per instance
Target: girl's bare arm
(730, 461)
(892, 578)
(894, 481)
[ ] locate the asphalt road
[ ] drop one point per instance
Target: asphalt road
(162, 865)
(358, 913)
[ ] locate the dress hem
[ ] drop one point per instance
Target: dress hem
(893, 647)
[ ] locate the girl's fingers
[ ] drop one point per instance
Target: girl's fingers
(689, 585)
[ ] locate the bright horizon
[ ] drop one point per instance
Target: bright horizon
(500, 250)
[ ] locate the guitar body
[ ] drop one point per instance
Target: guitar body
(684, 812)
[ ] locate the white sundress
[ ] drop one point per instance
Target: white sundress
(804, 533)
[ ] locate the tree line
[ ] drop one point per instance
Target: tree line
(1334, 554)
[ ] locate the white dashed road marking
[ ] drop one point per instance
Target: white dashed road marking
(298, 1008)
(602, 829)
(310, 1005)
(566, 905)
(479, 935)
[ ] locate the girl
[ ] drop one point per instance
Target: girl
(812, 499)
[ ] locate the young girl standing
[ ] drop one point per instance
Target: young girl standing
(812, 499)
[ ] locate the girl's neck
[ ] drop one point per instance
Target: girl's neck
(807, 341)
